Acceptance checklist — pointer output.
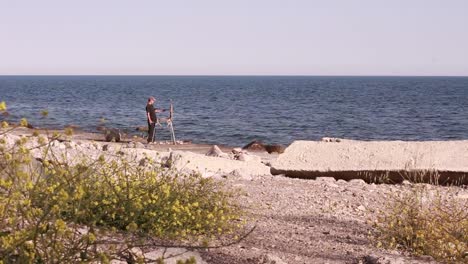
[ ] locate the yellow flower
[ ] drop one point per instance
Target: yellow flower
(3, 106)
(24, 122)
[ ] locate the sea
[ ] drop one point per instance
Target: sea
(235, 110)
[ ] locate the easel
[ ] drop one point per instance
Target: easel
(168, 121)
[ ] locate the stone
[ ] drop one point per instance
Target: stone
(325, 179)
(361, 208)
(58, 145)
(462, 195)
(215, 151)
(274, 148)
(247, 157)
(357, 182)
(272, 259)
(237, 150)
(255, 145)
(330, 139)
(390, 259)
(138, 145)
(113, 134)
(406, 182)
(239, 174)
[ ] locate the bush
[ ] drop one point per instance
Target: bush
(425, 222)
(53, 211)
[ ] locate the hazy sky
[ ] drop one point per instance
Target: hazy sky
(264, 37)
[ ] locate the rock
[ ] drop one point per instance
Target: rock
(139, 145)
(357, 182)
(361, 208)
(255, 145)
(113, 134)
(173, 255)
(239, 174)
(236, 150)
(274, 148)
(142, 129)
(272, 259)
(330, 139)
(247, 157)
(462, 195)
(58, 145)
(143, 162)
(325, 179)
(390, 259)
(215, 151)
(259, 146)
(70, 145)
(406, 182)
(108, 147)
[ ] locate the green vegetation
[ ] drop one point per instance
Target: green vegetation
(54, 210)
(425, 223)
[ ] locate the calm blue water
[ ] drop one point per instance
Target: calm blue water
(236, 110)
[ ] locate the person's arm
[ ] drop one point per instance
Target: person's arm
(159, 110)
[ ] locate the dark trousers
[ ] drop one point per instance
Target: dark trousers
(151, 132)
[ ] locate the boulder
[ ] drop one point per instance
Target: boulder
(274, 148)
(215, 151)
(113, 134)
(255, 146)
(236, 151)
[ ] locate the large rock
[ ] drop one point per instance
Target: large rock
(113, 134)
(351, 159)
(215, 151)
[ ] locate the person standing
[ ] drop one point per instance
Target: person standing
(151, 117)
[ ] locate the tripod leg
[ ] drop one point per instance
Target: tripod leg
(173, 134)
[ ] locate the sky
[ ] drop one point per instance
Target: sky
(235, 37)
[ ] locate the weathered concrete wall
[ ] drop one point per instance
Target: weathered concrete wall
(366, 160)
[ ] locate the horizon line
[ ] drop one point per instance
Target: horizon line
(224, 75)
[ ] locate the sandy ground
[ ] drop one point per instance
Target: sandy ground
(313, 221)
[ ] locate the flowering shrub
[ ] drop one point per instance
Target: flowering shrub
(425, 223)
(56, 211)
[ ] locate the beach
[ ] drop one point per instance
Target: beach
(319, 218)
